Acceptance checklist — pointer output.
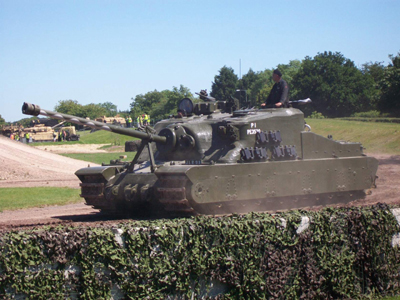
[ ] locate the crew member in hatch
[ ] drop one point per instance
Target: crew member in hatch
(278, 97)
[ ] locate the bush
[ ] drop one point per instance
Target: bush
(343, 253)
(316, 115)
(369, 114)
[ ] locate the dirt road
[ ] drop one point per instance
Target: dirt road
(25, 166)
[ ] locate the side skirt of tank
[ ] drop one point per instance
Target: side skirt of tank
(93, 182)
(119, 193)
(268, 186)
(132, 195)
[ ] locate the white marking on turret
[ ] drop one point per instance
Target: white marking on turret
(253, 131)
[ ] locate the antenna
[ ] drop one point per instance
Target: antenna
(240, 68)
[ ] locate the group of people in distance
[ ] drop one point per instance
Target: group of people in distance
(142, 120)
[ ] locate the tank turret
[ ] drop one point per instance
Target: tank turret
(212, 158)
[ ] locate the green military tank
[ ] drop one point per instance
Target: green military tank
(212, 158)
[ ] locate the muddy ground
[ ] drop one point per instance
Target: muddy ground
(26, 166)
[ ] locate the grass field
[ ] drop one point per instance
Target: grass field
(97, 137)
(17, 198)
(375, 137)
(99, 158)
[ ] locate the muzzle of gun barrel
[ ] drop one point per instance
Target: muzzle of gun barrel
(30, 109)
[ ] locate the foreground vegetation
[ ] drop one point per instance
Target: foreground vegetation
(344, 253)
(17, 198)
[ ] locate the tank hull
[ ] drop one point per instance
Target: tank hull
(213, 160)
(181, 190)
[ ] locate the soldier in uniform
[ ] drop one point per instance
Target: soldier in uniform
(278, 97)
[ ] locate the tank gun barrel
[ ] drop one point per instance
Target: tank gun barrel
(35, 110)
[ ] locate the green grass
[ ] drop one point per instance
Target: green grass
(99, 158)
(97, 137)
(104, 137)
(17, 198)
(375, 137)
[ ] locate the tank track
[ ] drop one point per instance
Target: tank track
(171, 193)
(92, 190)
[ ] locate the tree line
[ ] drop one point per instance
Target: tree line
(337, 87)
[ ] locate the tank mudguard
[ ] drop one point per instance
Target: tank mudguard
(107, 172)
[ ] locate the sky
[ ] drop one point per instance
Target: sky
(110, 51)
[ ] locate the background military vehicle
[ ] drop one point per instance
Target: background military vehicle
(116, 120)
(40, 132)
(213, 159)
(7, 130)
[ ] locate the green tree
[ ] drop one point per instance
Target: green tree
(2, 121)
(390, 87)
(93, 111)
(249, 83)
(27, 122)
(289, 71)
(262, 86)
(259, 84)
(224, 84)
(248, 80)
(173, 98)
(111, 109)
(375, 71)
(335, 85)
(159, 105)
(70, 107)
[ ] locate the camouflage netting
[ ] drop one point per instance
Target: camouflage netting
(334, 253)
